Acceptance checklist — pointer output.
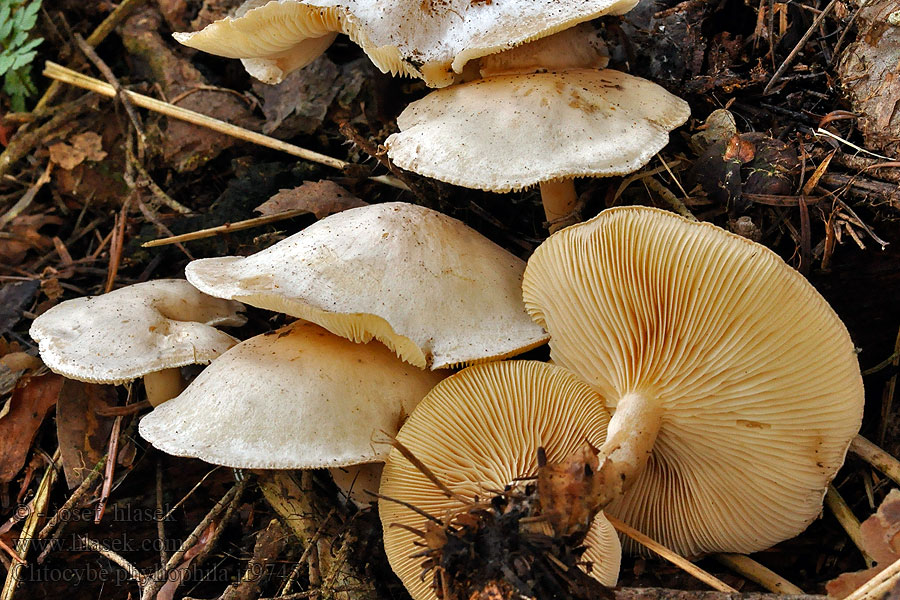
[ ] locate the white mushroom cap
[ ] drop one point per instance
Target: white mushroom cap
(134, 330)
(273, 39)
(435, 291)
(512, 131)
(431, 39)
(296, 398)
(479, 431)
(753, 375)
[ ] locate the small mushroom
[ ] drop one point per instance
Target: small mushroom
(507, 132)
(479, 431)
(146, 330)
(272, 39)
(430, 39)
(735, 387)
(296, 398)
(433, 290)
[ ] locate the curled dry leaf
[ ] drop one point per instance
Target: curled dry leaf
(84, 146)
(321, 198)
(83, 433)
(31, 399)
(880, 539)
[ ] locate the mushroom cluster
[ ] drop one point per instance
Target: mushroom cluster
(713, 391)
(542, 101)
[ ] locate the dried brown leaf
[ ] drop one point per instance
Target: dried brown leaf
(321, 198)
(90, 143)
(176, 577)
(30, 401)
(880, 539)
(66, 156)
(83, 433)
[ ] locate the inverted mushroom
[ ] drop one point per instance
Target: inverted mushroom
(272, 39)
(479, 431)
(508, 132)
(144, 330)
(735, 387)
(435, 291)
(296, 398)
(430, 39)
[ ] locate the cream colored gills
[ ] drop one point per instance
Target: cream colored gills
(735, 386)
(144, 330)
(479, 431)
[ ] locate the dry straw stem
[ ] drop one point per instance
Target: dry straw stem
(29, 531)
(674, 558)
(752, 570)
(879, 585)
(60, 73)
(848, 521)
(876, 457)
(226, 228)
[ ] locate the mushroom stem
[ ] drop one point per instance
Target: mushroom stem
(559, 201)
(629, 443)
(163, 385)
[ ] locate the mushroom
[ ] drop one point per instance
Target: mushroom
(479, 431)
(296, 398)
(430, 39)
(433, 290)
(508, 132)
(735, 387)
(272, 39)
(144, 330)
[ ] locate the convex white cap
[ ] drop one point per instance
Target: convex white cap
(135, 330)
(750, 377)
(435, 291)
(296, 398)
(479, 431)
(508, 132)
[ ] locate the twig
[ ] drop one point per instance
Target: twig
(115, 247)
(160, 521)
(838, 138)
(190, 492)
(878, 585)
(669, 555)
(40, 501)
(887, 394)
(23, 143)
(27, 197)
(146, 180)
(110, 470)
(107, 26)
(155, 581)
(60, 73)
(226, 228)
(112, 556)
(667, 195)
(86, 484)
(793, 54)
(876, 457)
(752, 570)
(848, 521)
(88, 51)
(295, 572)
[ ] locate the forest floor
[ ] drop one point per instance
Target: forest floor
(801, 154)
